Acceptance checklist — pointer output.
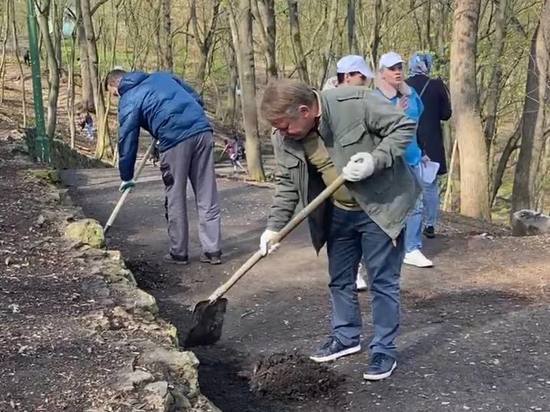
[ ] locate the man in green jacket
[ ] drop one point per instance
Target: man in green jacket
(363, 138)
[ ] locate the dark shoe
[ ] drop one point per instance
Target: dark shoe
(381, 366)
(213, 258)
(429, 232)
(332, 350)
(176, 260)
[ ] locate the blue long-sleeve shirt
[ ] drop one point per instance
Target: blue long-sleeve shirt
(413, 154)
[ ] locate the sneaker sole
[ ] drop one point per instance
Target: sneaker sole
(216, 262)
(380, 376)
(418, 266)
(334, 356)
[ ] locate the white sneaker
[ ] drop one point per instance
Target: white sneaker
(360, 282)
(416, 258)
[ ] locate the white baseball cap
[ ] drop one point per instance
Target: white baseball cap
(354, 63)
(390, 59)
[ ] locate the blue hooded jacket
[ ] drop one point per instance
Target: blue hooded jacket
(164, 105)
(413, 153)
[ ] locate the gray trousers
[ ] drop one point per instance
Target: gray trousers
(193, 160)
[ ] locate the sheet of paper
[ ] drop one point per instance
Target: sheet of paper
(428, 171)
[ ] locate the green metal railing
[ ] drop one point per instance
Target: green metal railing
(42, 143)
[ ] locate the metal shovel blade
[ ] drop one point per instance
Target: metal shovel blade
(207, 323)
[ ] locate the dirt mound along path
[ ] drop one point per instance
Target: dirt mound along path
(293, 377)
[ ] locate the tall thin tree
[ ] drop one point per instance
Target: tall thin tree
(240, 19)
(534, 120)
(474, 179)
(44, 12)
(300, 60)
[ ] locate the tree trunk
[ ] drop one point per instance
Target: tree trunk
(18, 60)
(428, 23)
(327, 53)
(230, 106)
(167, 56)
(232, 88)
(296, 40)
(102, 134)
(87, 95)
(43, 17)
(533, 117)
(241, 31)
(71, 113)
(474, 180)
(4, 44)
(205, 43)
(352, 38)
(494, 88)
(447, 199)
(158, 28)
(511, 145)
(375, 34)
(57, 11)
(264, 13)
(116, 13)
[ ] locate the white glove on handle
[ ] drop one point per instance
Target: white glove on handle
(265, 239)
(359, 167)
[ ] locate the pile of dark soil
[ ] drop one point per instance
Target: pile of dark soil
(148, 275)
(293, 377)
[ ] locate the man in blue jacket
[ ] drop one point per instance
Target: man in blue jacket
(391, 85)
(172, 112)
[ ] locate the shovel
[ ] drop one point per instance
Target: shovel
(127, 191)
(208, 314)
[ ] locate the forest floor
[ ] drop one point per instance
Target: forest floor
(475, 332)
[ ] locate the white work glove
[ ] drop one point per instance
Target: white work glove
(265, 239)
(359, 167)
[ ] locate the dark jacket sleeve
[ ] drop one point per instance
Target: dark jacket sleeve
(444, 101)
(189, 90)
(286, 196)
(394, 128)
(129, 119)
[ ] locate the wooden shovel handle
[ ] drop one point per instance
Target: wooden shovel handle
(290, 226)
(124, 195)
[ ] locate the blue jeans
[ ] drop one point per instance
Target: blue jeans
(413, 232)
(430, 196)
(353, 234)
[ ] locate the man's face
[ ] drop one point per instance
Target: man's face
(298, 126)
(355, 79)
(113, 90)
(393, 75)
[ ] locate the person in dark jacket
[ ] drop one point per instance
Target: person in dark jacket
(172, 112)
(437, 108)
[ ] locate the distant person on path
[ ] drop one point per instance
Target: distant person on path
(233, 151)
(390, 83)
(87, 124)
(437, 108)
(172, 112)
(27, 57)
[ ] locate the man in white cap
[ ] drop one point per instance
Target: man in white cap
(390, 83)
(351, 70)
